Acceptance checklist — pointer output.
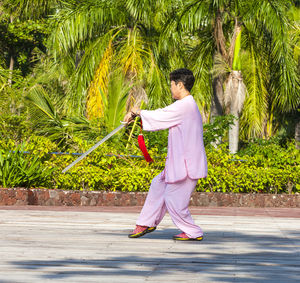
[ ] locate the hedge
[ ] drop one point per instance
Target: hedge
(260, 167)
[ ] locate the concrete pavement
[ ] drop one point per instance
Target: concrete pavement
(85, 245)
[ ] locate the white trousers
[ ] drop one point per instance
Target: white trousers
(174, 198)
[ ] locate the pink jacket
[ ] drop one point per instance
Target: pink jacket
(186, 154)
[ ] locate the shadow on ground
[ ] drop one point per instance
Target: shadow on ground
(274, 259)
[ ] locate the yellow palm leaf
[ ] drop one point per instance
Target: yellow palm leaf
(132, 54)
(95, 106)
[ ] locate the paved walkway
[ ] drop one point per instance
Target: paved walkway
(42, 244)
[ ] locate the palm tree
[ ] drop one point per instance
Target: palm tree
(295, 33)
(254, 33)
(104, 36)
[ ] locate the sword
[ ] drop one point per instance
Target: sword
(94, 147)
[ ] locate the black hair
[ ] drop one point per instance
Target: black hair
(185, 76)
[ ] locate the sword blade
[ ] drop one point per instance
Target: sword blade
(94, 147)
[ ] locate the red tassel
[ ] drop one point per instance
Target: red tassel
(143, 148)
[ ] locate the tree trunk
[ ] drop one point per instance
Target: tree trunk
(217, 104)
(297, 134)
(234, 129)
(12, 61)
(10, 79)
(219, 36)
(234, 135)
(11, 69)
(235, 96)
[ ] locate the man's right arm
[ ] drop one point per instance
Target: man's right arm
(161, 119)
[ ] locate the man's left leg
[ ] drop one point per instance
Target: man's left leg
(177, 198)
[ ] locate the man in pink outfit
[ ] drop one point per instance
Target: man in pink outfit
(185, 163)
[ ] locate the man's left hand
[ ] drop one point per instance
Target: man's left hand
(130, 116)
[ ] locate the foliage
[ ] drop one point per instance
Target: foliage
(14, 127)
(259, 170)
(239, 174)
(217, 130)
(113, 35)
(21, 40)
(73, 64)
(48, 121)
(261, 167)
(29, 9)
(268, 65)
(67, 50)
(17, 169)
(114, 103)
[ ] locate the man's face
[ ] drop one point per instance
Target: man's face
(175, 89)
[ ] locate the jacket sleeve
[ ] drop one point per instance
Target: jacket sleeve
(161, 119)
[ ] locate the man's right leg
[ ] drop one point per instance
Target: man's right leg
(177, 198)
(154, 208)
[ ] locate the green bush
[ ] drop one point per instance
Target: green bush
(216, 131)
(19, 169)
(14, 127)
(267, 168)
(260, 167)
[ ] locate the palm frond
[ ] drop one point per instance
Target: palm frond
(157, 87)
(256, 102)
(115, 104)
(100, 82)
(79, 21)
(220, 67)
(196, 15)
(41, 105)
(202, 62)
(144, 11)
(84, 74)
(283, 77)
(272, 23)
(132, 53)
(30, 9)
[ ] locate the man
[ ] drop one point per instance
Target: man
(185, 163)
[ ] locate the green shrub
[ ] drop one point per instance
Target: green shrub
(265, 169)
(216, 131)
(18, 169)
(261, 167)
(14, 127)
